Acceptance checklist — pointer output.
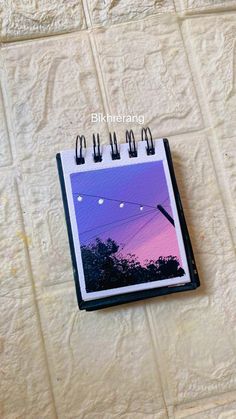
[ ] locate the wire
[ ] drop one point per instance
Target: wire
(125, 222)
(135, 234)
(135, 216)
(119, 200)
(102, 198)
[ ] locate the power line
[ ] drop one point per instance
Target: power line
(134, 216)
(125, 222)
(135, 234)
(101, 200)
(115, 200)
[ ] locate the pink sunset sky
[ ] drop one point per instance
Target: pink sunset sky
(145, 233)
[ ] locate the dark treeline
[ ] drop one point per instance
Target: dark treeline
(104, 268)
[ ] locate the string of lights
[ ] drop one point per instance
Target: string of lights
(101, 199)
(122, 203)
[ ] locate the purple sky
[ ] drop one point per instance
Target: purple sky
(147, 234)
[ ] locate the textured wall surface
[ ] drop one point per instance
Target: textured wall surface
(174, 61)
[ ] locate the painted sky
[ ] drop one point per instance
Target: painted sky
(147, 233)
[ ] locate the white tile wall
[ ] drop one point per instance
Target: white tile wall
(174, 62)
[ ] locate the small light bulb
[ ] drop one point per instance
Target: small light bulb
(100, 201)
(141, 207)
(80, 198)
(122, 204)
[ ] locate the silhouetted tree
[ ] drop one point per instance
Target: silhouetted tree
(105, 268)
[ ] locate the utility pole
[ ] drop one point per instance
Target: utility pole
(165, 213)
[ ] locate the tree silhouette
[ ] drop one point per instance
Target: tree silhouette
(105, 268)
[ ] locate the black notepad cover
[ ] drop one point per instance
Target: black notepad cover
(137, 295)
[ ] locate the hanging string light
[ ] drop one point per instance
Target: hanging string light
(158, 207)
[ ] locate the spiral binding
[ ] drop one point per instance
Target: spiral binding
(132, 146)
(79, 159)
(146, 135)
(97, 156)
(115, 155)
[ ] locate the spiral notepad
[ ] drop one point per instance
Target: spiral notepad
(127, 233)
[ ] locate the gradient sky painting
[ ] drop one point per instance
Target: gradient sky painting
(147, 234)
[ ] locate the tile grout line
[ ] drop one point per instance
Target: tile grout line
(87, 15)
(6, 107)
(211, 399)
(10, 163)
(99, 73)
(155, 348)
(198, 11)
(179, 14)
(37, 311)
(205, 119)
(190, 11)
(216, 158)
(10, 127)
